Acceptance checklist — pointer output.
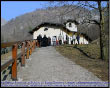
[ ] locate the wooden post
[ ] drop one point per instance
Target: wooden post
(30, 48)
(37, 43)
(27, 55)
(23, 54)
(14, 64)
(32, 45)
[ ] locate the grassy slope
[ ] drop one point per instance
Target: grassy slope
(92, 50)
(96, 66)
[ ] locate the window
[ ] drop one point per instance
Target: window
(45, 29)
(70, 25)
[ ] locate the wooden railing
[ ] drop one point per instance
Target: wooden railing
(27, 48)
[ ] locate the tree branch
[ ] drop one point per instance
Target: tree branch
(91, 22)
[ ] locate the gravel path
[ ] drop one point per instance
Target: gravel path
(46, 64)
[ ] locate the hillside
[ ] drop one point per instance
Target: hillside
(3, 21)
(19, 27)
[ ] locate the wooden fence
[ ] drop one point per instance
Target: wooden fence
(27, 47)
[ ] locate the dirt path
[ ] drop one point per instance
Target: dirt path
(45, 64)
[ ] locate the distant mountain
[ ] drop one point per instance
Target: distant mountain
(17, 29)
(3, 21)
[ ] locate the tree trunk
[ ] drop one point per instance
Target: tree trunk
(101, 31)
(101, 43)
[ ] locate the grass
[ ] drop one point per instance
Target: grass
(92, 50)
(5, 57)
(96, 66)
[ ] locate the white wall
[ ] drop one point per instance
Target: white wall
(82, 40)
(55, 32)
(49, 33)
(72, 28)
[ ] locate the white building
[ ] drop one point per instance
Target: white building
(55, 29)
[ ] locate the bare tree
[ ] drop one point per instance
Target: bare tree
(88, 18)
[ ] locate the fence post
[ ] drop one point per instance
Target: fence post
(23, 54)
(34, 44)
(37, 43)
(27, 55)
(30, 47)
(14, 64)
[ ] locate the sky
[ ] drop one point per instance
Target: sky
(12, 9)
